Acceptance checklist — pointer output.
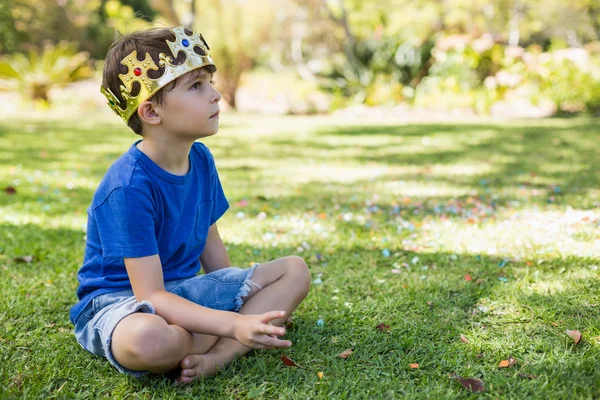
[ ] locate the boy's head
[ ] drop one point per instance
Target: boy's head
(166, 55)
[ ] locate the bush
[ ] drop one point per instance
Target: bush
(34, 75)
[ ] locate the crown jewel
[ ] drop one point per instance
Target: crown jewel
(138, 71)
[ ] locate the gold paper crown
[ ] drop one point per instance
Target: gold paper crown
(138, 71)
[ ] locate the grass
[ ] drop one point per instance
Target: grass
(391, 218)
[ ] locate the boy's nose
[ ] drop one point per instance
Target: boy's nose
(217, 97)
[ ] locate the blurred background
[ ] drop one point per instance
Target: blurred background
(505, 58)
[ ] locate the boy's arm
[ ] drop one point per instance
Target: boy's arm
(145, 274)
(215, 254)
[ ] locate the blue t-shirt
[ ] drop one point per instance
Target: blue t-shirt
(140, 210)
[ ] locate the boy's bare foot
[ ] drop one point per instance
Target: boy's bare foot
(197, 365)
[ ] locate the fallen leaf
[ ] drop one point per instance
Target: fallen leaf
(474, 385)
(430, 304)
(576, 335)
(463, 338)
(507, 363)
(414, 366)
(554, 323)
(289, 323)
(346, 353)
(24, 259)
(320, 375)
(468, 278)
(9, 190)
(17, 381)
(289, 362)
(383, 327)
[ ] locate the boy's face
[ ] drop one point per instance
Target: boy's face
(189, 109)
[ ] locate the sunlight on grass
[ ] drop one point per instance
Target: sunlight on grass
(486, 229)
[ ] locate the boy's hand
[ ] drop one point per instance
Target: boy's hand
(255, 331)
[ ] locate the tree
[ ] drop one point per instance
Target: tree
(236, 33)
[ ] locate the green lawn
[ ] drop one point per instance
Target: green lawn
(487, 230)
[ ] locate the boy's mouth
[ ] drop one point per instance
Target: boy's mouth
(215, 114)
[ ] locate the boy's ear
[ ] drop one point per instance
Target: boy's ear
(148, 114)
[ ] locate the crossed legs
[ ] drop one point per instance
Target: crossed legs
(146, 342)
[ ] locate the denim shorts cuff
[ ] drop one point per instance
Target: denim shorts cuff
(247, 286)
(141, 306)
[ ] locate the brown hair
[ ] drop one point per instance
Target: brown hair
(153, 42)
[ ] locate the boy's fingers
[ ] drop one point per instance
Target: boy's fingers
(271, 315)
(274, 330)
(269, 342)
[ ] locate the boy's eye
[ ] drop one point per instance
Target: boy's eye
(199, 84)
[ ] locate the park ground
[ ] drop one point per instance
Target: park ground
(436, 250)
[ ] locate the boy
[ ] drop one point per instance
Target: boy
(152, 225)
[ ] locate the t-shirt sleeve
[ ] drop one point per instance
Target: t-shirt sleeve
(219, 202)
(125, 223)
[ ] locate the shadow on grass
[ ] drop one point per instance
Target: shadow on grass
(498, 317)
(427, 308)
(557, 158)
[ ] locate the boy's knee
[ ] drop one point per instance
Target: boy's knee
(298, 269)
(150, 342)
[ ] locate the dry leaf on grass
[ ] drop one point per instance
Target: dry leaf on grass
(463, 338)
(474, 385)
(289, 362)
(575, 335)
(320, 375)
(507, 363)
(414, 366)
(346, 353)
(383, 327)
(289, 323)
(9, 190)
(24, 259)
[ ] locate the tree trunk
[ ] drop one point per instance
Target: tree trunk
(189, 15)
(165, 8)
(514, 35)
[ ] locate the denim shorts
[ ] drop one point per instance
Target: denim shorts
(223, 289)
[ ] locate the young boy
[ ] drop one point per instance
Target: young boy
(152, 225)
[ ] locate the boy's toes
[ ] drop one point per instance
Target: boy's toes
(188, 362)
(189, 373)
(184, 380)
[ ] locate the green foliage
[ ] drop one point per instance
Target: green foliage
(8, 33)
(27, 24)
(34, 75)
(122, 17)
(475, 73)
(382, 70)
(572, 87)
(377, 36)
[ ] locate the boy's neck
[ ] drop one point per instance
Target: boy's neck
(169, 154)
